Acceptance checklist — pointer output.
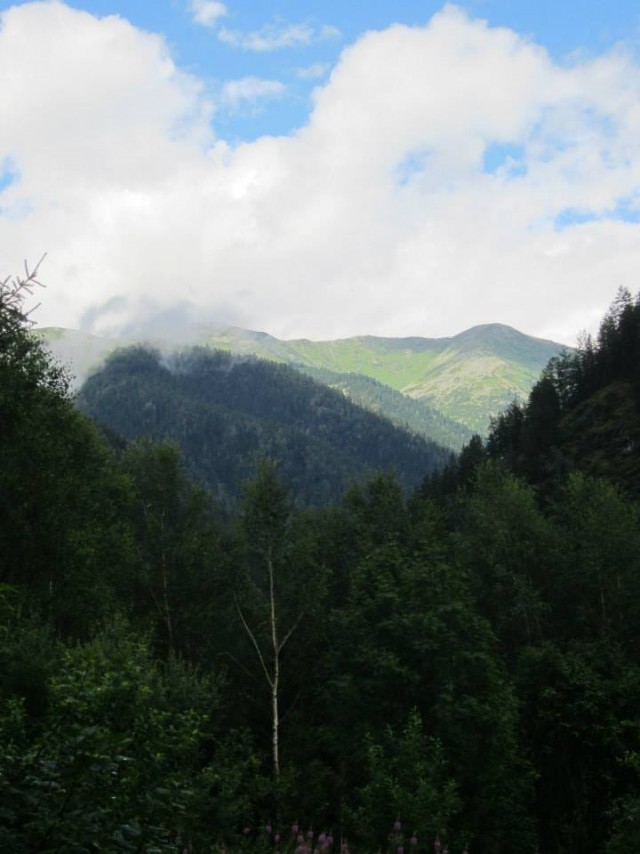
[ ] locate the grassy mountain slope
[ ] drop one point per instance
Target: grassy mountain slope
(413, 414)
(468, 377)
(226, 412)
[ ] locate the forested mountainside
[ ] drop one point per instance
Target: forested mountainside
(456, 669)
(584, 412)
(226, 413)
(469, 377)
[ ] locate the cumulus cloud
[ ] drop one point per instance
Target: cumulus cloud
(207, 12)
(448, 174)
(277, 36)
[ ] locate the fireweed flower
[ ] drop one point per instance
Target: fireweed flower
(413, 841)
(397, 825)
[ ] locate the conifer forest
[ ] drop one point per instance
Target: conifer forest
(207, 644)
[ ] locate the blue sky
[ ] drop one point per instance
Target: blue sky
(563, 27)
(323, 170)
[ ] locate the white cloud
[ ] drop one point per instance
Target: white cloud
(277, 36)
(314, 71)
(327, 31)
(207, 12)
(236, 92)
(376, 217)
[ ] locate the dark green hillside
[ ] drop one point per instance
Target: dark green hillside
(601, 435)
(227, 412)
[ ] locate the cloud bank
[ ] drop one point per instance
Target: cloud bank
(448, 175)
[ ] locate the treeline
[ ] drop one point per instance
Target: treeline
(177, 676)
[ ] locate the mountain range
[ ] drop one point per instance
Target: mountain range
(450, 387)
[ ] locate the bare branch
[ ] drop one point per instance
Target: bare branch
(290, 632)
(246, 669)
(257, 647)
(14, 288)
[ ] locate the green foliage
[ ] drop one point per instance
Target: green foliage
(626, 814)
(508, 547)
(408, 777)
(60, 498)
(579, 711)
(408, 624)
(596, 589)
(177, 546)
(114, 763)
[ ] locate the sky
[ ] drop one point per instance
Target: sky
(322, 170)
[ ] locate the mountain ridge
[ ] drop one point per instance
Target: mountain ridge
(469, 377)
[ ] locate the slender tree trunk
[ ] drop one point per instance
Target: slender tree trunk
(272, 672)
(275, 683)
(165, 586)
